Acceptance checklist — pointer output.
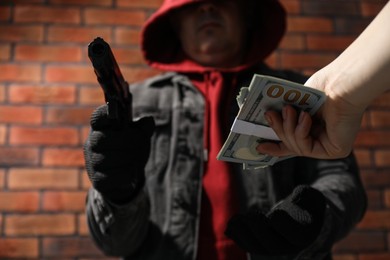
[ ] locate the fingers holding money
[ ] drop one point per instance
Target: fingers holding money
(289, 125)
(264, 93)
(278, 149)
(293, 131)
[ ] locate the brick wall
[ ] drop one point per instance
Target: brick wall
(48, 90)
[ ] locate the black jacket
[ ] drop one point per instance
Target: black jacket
(162, 221)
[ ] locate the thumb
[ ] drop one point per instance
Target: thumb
(100, 120)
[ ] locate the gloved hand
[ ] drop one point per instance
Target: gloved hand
(287, 228)
(116, 154)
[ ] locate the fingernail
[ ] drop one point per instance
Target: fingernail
(268, 118)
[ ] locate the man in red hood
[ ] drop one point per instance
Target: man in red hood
(158, 190)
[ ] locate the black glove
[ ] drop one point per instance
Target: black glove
(116, 154)
(287, 228)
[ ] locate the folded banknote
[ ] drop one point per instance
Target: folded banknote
(250, 127)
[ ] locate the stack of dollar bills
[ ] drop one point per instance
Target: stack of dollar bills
(250, 127)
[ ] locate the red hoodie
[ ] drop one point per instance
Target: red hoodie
(161, 49)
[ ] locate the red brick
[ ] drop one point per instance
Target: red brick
(364, 157)
(19, 247)
(16, 33)
(2, 93)
(20, 73)
(5, 13)
(376, 179)
(85, 182)
(84, 133)
(83, 3)
(126, 36)
(5, 52)
(305, 61)
(28, 1)
(42, 94)
(63, 157)
(387, 198)
(18, 156)
(91, 96)
(375, 220)
(329, 43)
(43, 136)
(291, 6)
(42, 224)
(128, 56)
(320, 8)
(382, 158)
(45, 14)
(19, 201)
(48, 53)
(380, 118)
(69, 116)
(383, 101)
(114, 17)
(3, 134)
(64, 201)
(42, 178)
(309, 24)
(345, 25)
(344, 257)
(292, 42)
(2, 180)
(139, 3)
(69, 247)
(137, 74)
(375, 199)
(371, 9)
(21, 114)
(359, 242)
(373, 138)
(77, 34)
(374, 256)
(83, 226)
(70, 74)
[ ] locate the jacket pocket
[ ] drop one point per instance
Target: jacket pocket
(160, 145)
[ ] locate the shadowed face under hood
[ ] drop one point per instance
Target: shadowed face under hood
(162, 50)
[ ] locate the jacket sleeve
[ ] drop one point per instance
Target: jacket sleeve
(121, 230)
(118, 230)
(340, 183)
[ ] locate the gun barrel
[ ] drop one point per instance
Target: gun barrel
(110, 78)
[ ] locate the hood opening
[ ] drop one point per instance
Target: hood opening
(162, 50)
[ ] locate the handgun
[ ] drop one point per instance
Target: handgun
(116, 90)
